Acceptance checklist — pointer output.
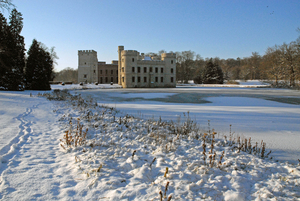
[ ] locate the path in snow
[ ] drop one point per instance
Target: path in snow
(34, 161)
(12, 104)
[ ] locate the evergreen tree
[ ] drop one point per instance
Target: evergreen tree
(12, 52)
(212, 73)
(4, 67)
(198, 79)
(39, 68)
(16, 49)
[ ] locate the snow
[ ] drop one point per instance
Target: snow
(250, 117)
(85, 86)
(115, 160)
(147, 58)
(242, 84)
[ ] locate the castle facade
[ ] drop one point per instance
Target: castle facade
(132, 70)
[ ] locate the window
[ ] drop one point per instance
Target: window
(145, 79)
(123, 69)
(112, 79)
(111, 72)
(150, 69)
(171, 61)
(156, 70)
(106, 72)
(139, 69)
(122, 79)
(84, 76)
(101, 72)
(156, 79)
(106, 80)
(145, 69)
(172, 70)
(162, 70)
(139, 79)
(172, 79)
(162, 79)
(94, 71)
(133, 69)
(132, 59)
(101, 80)
(133, 79)
(116, 72)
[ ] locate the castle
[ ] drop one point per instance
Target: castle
(131, 70)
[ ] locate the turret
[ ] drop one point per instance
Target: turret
(120, 49)
(170, 68)
(129, 60)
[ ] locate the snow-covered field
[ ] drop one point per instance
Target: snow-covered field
(114, 159)
(241, 84)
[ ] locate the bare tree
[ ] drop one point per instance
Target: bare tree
(273, 64)
(290, 57)
(52, 52)
(6, 4)
(67, 75)
(254, 62)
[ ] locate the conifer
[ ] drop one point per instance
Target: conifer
(39, 68)
(212, 73)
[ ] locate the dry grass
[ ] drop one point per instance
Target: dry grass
(166, 135)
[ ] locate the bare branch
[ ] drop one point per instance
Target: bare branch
(6, 4)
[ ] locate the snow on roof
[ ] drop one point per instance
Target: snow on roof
(147, 58)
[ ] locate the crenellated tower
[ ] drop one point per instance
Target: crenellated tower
(87, 66)
(120, 49)
(128, 62)
(170, 66)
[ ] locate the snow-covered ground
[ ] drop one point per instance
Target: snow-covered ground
(241, 84)
(115, 159)
(276, 123)
(85, 86)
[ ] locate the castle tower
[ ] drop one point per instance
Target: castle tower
(87, 66)
(120, 49)
(170, 66)
(128, 62)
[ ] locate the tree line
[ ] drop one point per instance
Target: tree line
(67, 75)
(280, 65)
(19, 71)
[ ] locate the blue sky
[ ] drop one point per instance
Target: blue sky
(227, 29)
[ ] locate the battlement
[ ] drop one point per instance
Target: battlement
(87, 51)
(151, 62)
(169, 55)
(129, 53)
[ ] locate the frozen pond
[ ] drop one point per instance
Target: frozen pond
(270, 115)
